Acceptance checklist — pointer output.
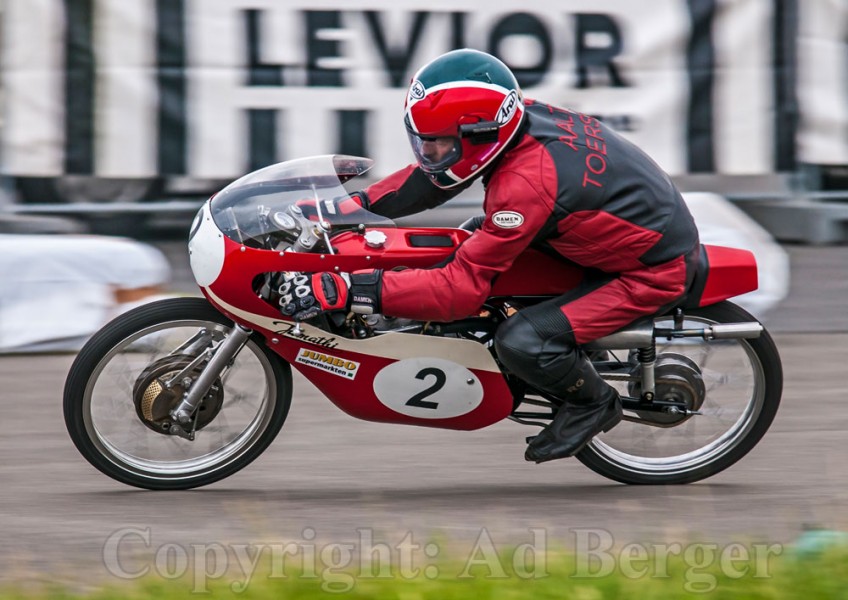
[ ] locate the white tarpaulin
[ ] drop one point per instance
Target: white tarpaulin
(58, 290)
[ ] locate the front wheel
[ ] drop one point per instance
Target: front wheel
(737, 383)
(127, 378)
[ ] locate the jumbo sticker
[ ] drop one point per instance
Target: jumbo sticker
(329, 363)
(428, 388)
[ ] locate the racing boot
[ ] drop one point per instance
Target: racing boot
(591, 406)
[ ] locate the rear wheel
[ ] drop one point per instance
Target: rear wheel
(133, 372)
(736, 385)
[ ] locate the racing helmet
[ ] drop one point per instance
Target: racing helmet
(461, 111)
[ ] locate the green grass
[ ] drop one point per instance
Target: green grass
(696, 571)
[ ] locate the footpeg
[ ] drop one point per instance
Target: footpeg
(673, 410)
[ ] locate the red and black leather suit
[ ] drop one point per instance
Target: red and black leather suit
(585, 194)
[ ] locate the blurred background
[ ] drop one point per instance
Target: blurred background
(119, 118)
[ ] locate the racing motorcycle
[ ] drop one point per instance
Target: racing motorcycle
(184, 392)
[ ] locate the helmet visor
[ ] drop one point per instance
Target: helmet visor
(435, 154)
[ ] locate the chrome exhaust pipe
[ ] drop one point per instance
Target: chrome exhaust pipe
(641, 335)
(733, 331)
(638, 335)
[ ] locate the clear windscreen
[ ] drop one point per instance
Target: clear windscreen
(294, 204)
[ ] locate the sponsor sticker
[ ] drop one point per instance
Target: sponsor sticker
(416, 90)
(508, 108)
(329, 363)
(507, 219)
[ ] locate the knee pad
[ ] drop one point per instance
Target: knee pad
(517, 345)
(544, 362)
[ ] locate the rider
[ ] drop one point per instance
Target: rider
(555, 179)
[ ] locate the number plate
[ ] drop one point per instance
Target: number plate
(428, 388)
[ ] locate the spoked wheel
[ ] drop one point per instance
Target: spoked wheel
(132, 373)
(735, 385)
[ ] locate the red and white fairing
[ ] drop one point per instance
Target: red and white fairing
(426, 380)
(396, 378)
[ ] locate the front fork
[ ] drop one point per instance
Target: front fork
(223, 355)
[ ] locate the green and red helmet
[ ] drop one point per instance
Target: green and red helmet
(467, 98)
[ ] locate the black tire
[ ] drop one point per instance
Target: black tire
(602, 457)
(117, 339)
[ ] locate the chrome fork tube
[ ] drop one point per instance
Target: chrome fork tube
(225, 352)
(195, 344)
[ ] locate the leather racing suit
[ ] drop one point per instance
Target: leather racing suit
(581, 192)
(571, 186)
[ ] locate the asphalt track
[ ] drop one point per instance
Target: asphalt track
(331, 479)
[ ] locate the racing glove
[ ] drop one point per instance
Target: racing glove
(303, 296)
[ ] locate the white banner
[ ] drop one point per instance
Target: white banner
(213, 88)
(823, 82)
